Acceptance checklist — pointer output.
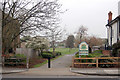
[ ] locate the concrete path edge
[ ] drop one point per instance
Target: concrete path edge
(14, 71)
(100, 74)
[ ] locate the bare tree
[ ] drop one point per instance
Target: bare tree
(82, 31)
(55, 34)
(19, 20)
(95, 41)
(91, 40)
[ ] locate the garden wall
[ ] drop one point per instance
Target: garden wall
(27, 52)
(106, 52)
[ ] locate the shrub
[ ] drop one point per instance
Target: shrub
(46, 55)
(115, 47)
(97, 51)
(47, 52)
(58, 53)
(90, 56)
(106, 61)
(20, 56)
(77, 55)
(15, 61)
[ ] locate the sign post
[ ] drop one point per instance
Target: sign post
(48, 62)
(83, 49)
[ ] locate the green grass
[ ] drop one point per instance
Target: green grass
(65, 51)
(38, 65)
(20, 55)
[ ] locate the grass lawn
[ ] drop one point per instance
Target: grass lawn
(65, 51)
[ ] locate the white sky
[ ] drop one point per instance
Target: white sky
(92, 14)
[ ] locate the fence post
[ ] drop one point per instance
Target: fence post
(96, 62)
(72, 61)
(27, 64)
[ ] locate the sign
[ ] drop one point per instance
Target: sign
(83, 48)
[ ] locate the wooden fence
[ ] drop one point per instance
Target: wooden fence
(15, 61)
(74, 61)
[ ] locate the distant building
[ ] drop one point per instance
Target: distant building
(94, 48)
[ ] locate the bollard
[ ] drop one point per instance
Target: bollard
(48, 62)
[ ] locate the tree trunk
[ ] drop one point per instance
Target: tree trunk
(39, 53)
(53, 46)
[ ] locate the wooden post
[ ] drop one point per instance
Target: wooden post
(86, 61)
(96, 62)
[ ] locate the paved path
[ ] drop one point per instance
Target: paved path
(62, 62)
(59, 67)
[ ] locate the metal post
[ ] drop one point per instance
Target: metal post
(48, 62)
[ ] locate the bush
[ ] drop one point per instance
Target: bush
(89, 56)
(115, 47)
(106, 61)
(97, 51)
(20, 56)
(16, 61)
(58, 53)
(47, 52)
(47, 55)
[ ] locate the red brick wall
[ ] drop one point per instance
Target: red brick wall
(106, 52)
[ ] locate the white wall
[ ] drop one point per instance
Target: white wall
(114, 28)
(0, 34)
(109, 36)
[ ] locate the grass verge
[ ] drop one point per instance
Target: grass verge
(40, 64)
(63, 51)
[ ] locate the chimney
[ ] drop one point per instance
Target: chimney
(109, 16)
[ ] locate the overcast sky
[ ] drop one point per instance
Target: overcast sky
(92, 14)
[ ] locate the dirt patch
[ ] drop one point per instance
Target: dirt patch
(35, 61)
